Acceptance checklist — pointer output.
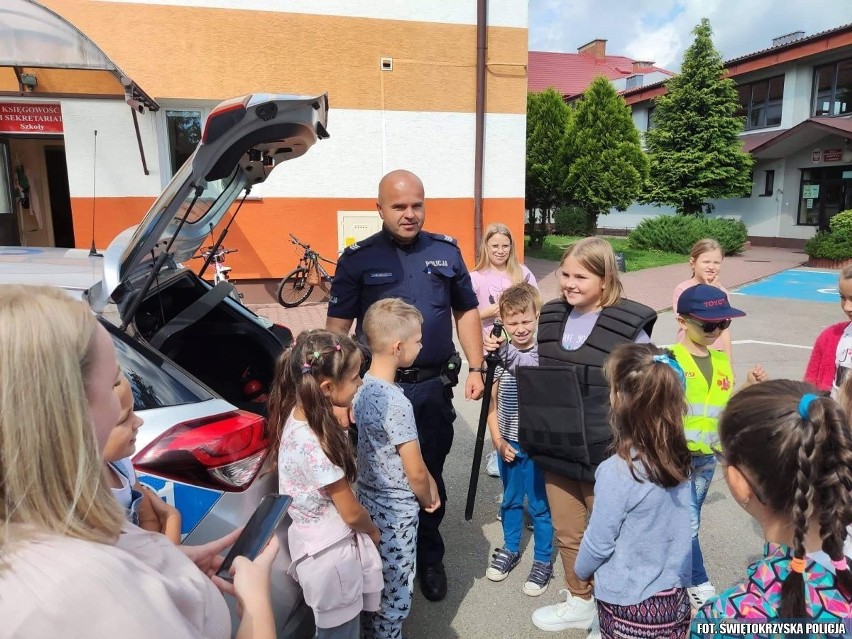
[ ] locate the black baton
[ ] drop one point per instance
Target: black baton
(491, 361)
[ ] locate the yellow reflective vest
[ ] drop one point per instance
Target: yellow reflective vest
(704, 403)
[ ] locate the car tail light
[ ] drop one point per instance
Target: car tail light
(224, 117)
(224, 452)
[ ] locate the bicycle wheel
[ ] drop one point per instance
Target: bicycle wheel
(294, 288)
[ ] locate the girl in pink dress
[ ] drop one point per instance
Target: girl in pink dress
(332, 539)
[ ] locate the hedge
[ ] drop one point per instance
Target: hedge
(677, 233)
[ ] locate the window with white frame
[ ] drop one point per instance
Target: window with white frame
(833, 89)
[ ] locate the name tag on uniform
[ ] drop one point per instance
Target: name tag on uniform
(374, 278)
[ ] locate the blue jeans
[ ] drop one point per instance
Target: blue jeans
(521, 477)
(703, 467)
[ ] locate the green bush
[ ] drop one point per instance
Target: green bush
(570, 220)
(731, 234)
(677, 233)
(841, 224)
(829, 245)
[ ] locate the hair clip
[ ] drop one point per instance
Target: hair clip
(805, 405)
(797, 564)
(840, 565)
(306, 368)
(337, 347)
(673, 364)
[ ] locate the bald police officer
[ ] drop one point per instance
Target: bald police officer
(426, 270)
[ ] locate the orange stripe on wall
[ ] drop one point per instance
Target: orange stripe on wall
(260, 233)
(223, 53)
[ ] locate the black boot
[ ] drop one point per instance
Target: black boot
(433, 581)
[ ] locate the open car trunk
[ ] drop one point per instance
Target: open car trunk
(223, 348)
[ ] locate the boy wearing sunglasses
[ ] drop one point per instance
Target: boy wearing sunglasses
(703, 312)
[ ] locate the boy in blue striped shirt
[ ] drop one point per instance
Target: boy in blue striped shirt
(520, 306)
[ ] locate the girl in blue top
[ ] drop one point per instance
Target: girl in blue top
(638, 542)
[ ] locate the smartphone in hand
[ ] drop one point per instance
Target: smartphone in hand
(257, 532)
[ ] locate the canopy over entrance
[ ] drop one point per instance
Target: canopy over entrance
(44, 55)
(804, 134)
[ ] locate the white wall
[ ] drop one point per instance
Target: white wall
(759, 213)
(117, 170)
(437, 146)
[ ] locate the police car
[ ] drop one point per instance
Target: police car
(200, 364)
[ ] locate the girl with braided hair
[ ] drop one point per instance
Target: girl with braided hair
(787, 454)
(332, 538)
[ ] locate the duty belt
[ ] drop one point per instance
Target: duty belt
(414, 375)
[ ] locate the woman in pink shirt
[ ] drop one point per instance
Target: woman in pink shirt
(72, 566)
(705, 259)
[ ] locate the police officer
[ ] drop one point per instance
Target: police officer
(426, 270)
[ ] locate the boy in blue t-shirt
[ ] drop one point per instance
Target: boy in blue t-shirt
(393, 482)
(520, 306)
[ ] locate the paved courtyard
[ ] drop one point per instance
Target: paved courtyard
(778, 333)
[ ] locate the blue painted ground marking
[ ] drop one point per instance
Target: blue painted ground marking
(796, 284)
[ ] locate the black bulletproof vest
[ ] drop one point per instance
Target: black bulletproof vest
(563, 415)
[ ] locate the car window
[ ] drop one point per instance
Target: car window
(156, 382)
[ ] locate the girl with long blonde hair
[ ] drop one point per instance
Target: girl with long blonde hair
(497, 268)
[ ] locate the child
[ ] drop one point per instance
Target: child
(332, 539)
(564, 404)
(831, 359)
(142, 506)
(393, 482)
(786, 453)
(703, 313)
(640, 524)
(705, 260)
(519, 307)
(497, 268)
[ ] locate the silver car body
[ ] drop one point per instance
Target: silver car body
(244, 139)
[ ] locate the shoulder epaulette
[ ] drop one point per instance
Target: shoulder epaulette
(357, 246)
(443, 238)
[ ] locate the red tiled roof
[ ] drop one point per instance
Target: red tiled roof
(753, 140)
(836, 126)
(572, 73)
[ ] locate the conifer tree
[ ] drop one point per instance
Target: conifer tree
(602, 153)
(547, 119)
(694, 148)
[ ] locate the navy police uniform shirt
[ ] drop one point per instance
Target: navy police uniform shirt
(429, 273)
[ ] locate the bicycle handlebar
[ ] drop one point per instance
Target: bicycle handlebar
(206, 251)
(308, 251)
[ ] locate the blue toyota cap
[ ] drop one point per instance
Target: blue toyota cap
(706, 303)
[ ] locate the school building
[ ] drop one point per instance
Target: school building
(796, 98)
(102, 100)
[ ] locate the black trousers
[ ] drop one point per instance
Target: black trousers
(434, 414)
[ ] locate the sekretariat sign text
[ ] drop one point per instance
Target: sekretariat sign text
(30, 117)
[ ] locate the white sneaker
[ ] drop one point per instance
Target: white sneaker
(698, 595)
(573, 613)
(491, 467)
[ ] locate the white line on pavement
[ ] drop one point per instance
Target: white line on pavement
(757, 341)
